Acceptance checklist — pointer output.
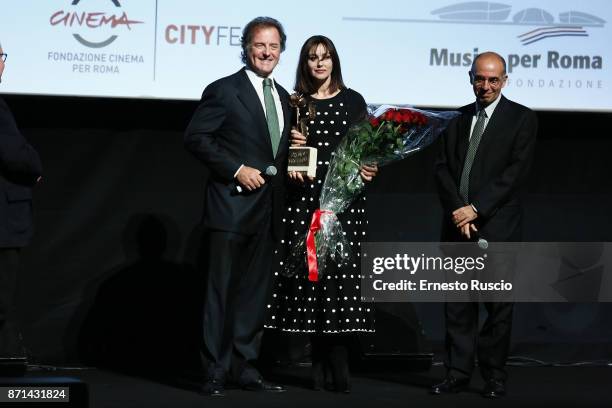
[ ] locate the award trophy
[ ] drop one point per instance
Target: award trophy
(302, 159)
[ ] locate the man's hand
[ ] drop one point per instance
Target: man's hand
(464, 215)
(467, 228)
(297, 139)
(368, 171)
(250, 178)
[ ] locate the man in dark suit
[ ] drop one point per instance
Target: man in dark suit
(20, 169)
(484, 161)
(240, 132)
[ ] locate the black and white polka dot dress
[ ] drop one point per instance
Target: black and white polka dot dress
(331, 305)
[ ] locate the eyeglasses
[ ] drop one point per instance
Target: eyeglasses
(494, 81)
(3, 56)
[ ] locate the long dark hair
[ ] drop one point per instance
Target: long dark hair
(304, 83)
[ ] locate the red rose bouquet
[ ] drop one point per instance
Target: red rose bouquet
(390, 133)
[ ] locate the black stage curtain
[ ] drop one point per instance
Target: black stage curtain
(112, 272)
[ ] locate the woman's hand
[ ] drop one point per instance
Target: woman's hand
(368, 171)
(297, 139)
(298, 177)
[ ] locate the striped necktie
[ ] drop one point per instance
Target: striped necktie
(479, 127)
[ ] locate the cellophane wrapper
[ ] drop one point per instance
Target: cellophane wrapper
(389, 134)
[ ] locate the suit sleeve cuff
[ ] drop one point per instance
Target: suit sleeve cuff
(240, 168)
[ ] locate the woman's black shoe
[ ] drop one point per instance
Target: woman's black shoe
(317, 375)
(338, 359)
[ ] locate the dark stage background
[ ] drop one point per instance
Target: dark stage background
(112, 272)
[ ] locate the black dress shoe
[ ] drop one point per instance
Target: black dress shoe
(450, 385)
(494, 389)
(261, 385)
(213, 388)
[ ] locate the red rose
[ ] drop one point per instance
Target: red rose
(397, 116)
(374, 122)
(410, 117)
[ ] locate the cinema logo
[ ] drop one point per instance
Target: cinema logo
(94, 28)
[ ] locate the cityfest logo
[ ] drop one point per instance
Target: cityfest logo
(95, 25)
(89, 21)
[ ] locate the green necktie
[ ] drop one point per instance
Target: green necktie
(271, 115)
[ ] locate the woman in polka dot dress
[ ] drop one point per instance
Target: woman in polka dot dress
(330, 310)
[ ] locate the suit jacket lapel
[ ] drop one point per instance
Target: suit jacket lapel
(248, 96)
(284, 98)
(495, 125)
(465, 126)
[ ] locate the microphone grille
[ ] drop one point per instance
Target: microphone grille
(271, 171)
(483, 243)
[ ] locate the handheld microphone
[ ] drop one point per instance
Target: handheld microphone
(480, 240)
(269, 172)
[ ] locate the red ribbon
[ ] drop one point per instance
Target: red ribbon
(311, 248)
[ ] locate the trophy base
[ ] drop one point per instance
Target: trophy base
(303, 160)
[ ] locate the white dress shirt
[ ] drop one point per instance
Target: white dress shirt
(257, 82)
(489, 110)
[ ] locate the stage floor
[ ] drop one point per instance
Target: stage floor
(527, 387)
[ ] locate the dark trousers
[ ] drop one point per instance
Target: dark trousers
(10, 339)
(238, 285)
(490, 345)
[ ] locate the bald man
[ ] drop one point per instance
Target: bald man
(483, 164)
